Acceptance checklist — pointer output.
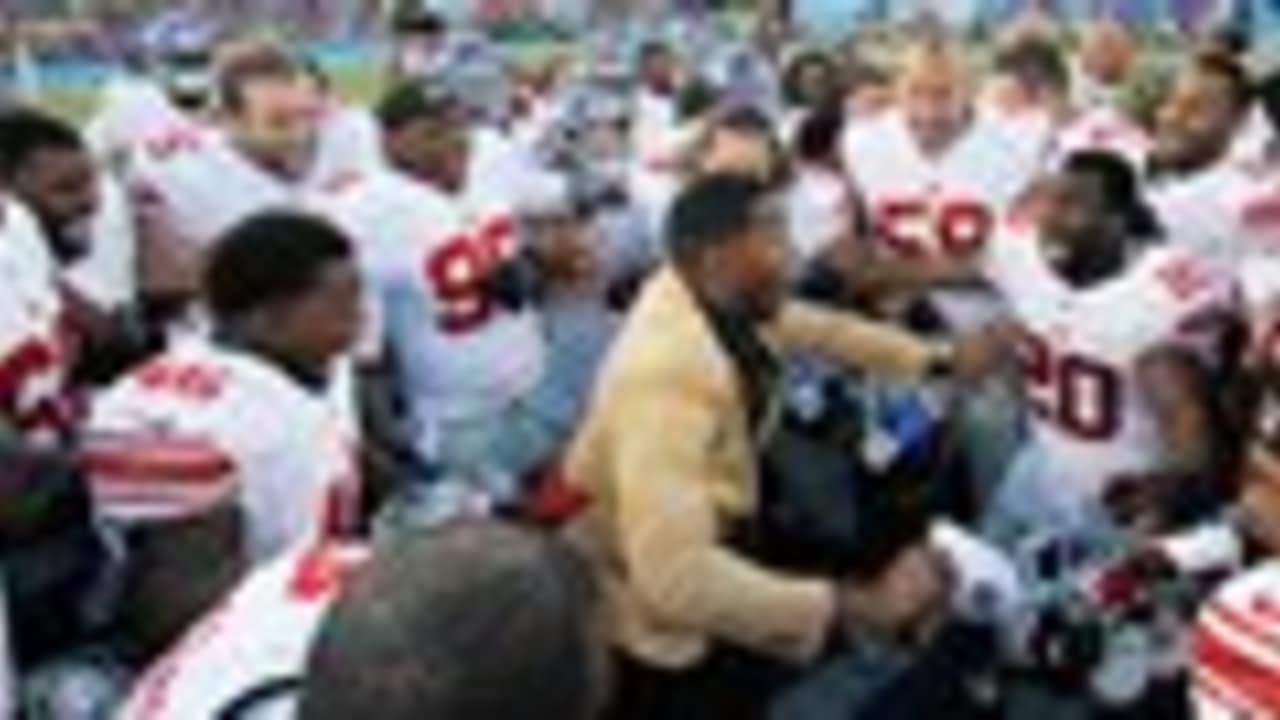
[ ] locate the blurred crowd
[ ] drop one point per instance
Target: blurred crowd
(685, 371)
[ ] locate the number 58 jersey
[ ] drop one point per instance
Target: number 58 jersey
(1082, 349)
(426, 259)
(945, 206)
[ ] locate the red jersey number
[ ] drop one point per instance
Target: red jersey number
(459, 269)
(1076, 393)
(186, 380)
(917, 228)
(172, 142)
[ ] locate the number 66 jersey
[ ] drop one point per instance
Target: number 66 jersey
(204, 424)
(1082, 350)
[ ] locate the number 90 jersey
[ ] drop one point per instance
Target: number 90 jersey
(1081, 349)
(427, 258)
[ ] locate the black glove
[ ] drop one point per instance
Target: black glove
(517, 283)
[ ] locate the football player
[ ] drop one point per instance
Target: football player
(1111, 327)
(272, 148)
(304, 637)
(1038, 88)
(1194, 186)
(935, 175)
(223, 452)
(1234, 666)
(455, 288)
(44, 224)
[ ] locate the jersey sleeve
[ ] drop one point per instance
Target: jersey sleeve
(1186, 298)
(1001, 260)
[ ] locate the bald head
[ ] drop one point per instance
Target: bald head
(475, 621)
(935, 93)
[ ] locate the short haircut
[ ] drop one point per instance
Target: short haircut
(653, 48)
(241, 63)
(696, 98)
(818, 136)
(473, 621)
(1120, 186)
(938, 53)
(412, 19)
(751, 120)
(273, 256)
(796, 69)
(711, 212)
(1233, 72)
(1035, 63)
(1232, 39)
(860, 73)
(24, 132)
(1267, 93)
(414, 100)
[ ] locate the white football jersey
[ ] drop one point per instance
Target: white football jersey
(132, 110)
(426, 257)
(204, 185)
(1224, 214)
(107, 275)
(655, 119)
(1104, 128)
(35, 342)
(945, 206)
(1081, 350)
(819, 211)
(1235, 650)
(204, 425)
(257, 638)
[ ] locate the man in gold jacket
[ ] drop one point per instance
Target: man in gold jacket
(668, 460)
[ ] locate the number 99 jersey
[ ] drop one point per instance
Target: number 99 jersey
(1082, 348)
(426, 261)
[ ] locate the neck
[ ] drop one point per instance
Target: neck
(314, 376)
(710, 290)
(290, 168)
(941, 145)
(1085, 269)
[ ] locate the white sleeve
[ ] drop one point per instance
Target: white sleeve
(987, 584)
(108, 274)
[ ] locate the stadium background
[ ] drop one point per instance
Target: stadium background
(60, 51)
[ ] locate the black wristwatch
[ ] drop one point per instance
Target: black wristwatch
(942, 363)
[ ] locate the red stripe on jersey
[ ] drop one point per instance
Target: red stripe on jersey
(48, 415)
(1253, 680)
(30, 358)
(323, 572)
(140, 505)
(176, 462)
(1250, 627)
(1219, 690)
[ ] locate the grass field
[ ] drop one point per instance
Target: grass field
(359, 84)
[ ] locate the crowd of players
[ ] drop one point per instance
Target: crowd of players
(244, 325)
